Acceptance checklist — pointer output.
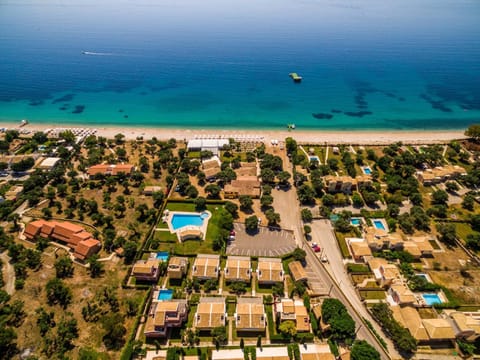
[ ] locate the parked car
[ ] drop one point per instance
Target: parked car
(317, 248)
(313, 244)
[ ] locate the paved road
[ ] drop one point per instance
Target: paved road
(286, 203)
(8, 274)
(322, 233)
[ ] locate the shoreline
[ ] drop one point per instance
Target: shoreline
(365, 137)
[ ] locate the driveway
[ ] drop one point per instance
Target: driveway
(8, 274)
(265, 242)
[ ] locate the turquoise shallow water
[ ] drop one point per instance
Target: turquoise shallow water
(366, 64)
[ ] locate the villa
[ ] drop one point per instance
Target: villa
(243, 185)
(110, 169)
(359, 249)
(297, 272)
(402, 295)
(436, 331)
(206, 267)
(345, 184)
(238, 268)
(465, 324)
(250, 315)
(146, 270)
(177, 267)
(164, 315)
(211, 167)
(211, 313)
(269, 271)
(385, 273)
(310, 352)
(294, 310)
(440, 174)
(49, 163)
(247, 169)
(13, 193)
(74, 236)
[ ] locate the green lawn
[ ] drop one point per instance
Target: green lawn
(464, 229)
(372, 295)
(191, 247)
(343, 244)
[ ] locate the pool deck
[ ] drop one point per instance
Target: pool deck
(202, 228)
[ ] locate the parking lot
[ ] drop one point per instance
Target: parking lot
(265, 242)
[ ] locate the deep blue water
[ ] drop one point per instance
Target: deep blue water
(373, 64)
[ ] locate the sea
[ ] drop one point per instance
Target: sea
(366, 64)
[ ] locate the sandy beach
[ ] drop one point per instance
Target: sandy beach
(302, 136)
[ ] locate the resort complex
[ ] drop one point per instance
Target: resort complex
(236, 248)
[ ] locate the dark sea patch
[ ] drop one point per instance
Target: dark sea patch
(358, 114)
(436, 104)
(78, 109)
(168, 86)
(125, 116)
(322, 116)
(336, 111)
(65, 98)
(464, 92)
(120, 110)
(63, 108)
(36, 102)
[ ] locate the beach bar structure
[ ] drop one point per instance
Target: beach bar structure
(213, 145)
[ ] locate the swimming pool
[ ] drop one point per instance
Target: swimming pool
(165, 294)
(314, 158)
(425, 276)
(379, 224)
(431, 299)
(162, 255)
(180, 220)
(367, 170)
(355, 221)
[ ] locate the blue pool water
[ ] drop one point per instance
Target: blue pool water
(423, 276)
(162, 255)
(181, 220)
(355, 221)
(314, 158)
(378, 224)
(431, 299)
(367, 170)
(166, 294)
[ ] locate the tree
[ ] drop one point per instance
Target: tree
(95, 267)
(473, 131)
(200, 203)
(266, 200)
(267, 175)
(219, 334)
(357, 200)
(246, 203)
(361, 350)
(475, 222)
(8, 347)
(328, 200)
(191, 191)
(64, 267)
(299, 254)
(251, 224)
(273, 218)
(341, 323)
(451, 186)
(232, 208)
(58, 293)
(213, 191)
(468, 202)
(288, 329)
(115, 331)
(238, 287)
(439, 197)
(283, 177)
(306, 215)
(448, 233)
(306, 194)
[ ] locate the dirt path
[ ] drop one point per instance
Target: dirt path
(8, 273)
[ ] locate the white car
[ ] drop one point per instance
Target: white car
(324, 259)
(314, 244)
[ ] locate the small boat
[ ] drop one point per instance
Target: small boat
(296, 78)
(23, 122)
(291, 126)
